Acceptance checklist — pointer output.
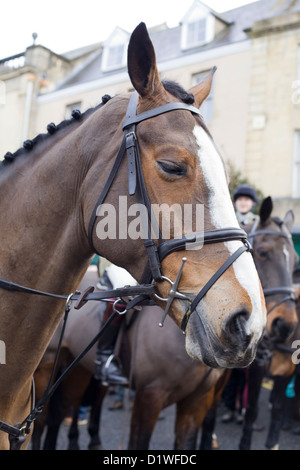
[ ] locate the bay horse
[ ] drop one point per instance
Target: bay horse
(160, 372)
(53, 219)
(276, 259)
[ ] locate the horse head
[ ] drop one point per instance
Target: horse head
(184, 173)
(276, 259)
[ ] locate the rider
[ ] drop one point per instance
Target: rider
(108, 367)
(245, 199)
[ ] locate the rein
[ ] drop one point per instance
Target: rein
(17, 433)
(156, 253)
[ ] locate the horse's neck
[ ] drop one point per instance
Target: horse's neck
(42, 247)
(40, 212)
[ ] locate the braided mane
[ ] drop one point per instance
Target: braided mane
(171, 86)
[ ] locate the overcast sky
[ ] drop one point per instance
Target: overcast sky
(63, 25)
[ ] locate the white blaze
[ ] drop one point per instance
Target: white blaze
(287, 258)
(223, 215)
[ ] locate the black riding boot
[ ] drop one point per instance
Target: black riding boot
(108, 366)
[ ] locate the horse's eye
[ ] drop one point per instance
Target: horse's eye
(262, 254)
(172, 168)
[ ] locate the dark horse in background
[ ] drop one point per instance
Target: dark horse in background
(50, 218)
(160, 372)
(276, 261)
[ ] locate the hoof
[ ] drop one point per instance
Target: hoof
(96, 447)
(275, 447)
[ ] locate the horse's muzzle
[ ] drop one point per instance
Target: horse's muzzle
(234, 347)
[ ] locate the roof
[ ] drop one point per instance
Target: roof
(76, 53)
(167, 41)
(244, 17)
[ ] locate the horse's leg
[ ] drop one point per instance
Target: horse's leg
(278, 394)
(186, 430)
(55, 415)
(37, 435)
(190, 415)
(147, 405)
(296, 408)
(73, 433)
(98, 393)
(255, 376)
(209, 422)
(208, 428)
(51, 436)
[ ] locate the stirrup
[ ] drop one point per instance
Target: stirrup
(105, 376)
(104, 371)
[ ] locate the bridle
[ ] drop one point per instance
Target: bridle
(136, 185)
(156, 253)
(287, 293)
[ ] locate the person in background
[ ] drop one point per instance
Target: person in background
(234, 394)
(245, 199)
(108, 366)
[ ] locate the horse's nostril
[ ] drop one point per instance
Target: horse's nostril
(280, 330)
(236, 326)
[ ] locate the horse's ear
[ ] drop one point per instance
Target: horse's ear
(289, 220)
(202, 89)
(265, 209)
(142, 68)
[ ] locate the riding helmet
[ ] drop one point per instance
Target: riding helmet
(245, 190)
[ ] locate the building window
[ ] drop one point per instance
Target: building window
(115, 56)
(196, 32)
(114, 52)
(296, 168)
(207, 105)
(71, 107)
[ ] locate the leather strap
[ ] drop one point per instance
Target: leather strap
(205, 238)
(210, 283)
(278, 291)
(130, 148)
(139, 290)
(165, 108)
(105, 190)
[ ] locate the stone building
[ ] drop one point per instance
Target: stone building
(253, 111)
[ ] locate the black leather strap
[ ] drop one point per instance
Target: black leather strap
(210, 283)
(131, 158)
(105, 190)
(205, 238)
(135, 119)
(278, 290)
(142, 289)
